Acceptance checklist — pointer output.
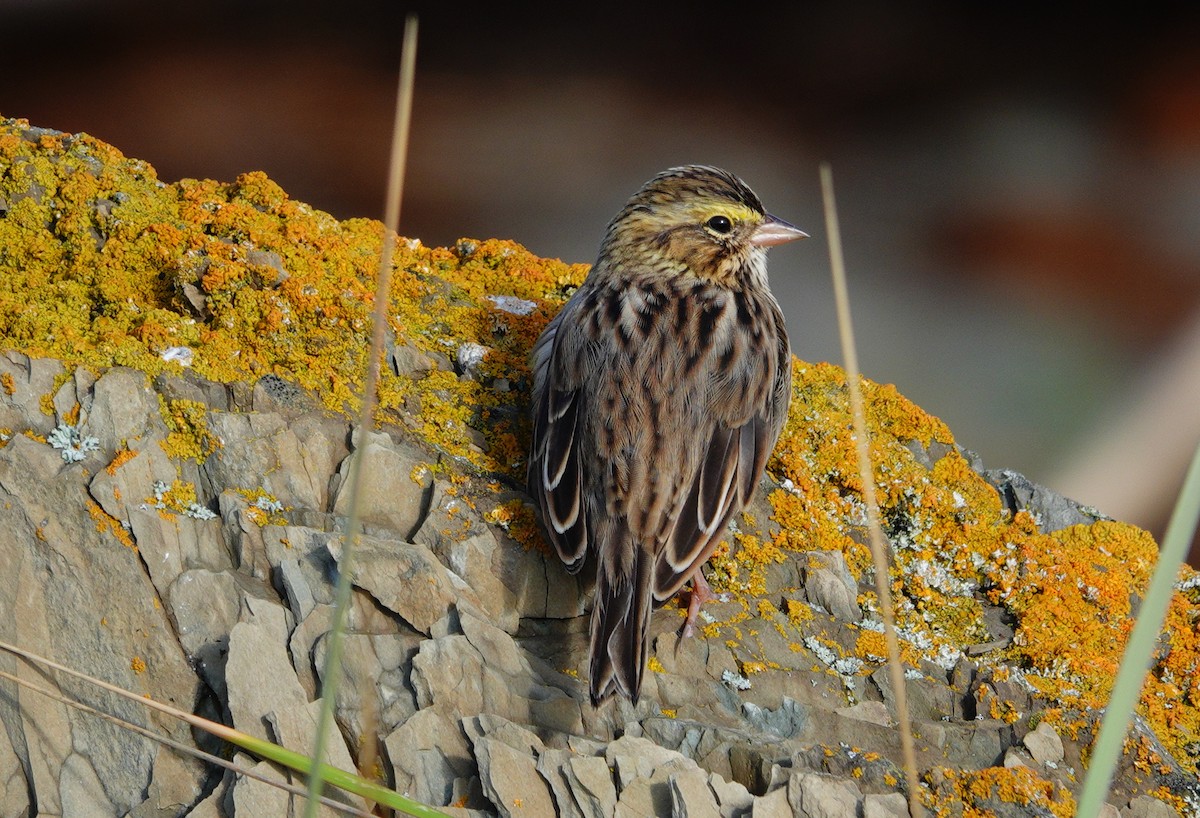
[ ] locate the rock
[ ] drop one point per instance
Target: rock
(691, 796)
(828, 583)
(373, 697)
(1014, 757)
(172, 785)
(591, 785)
(1052, 511)
(466, 641)
(773, 805)
(889, 805)
(820, 796)
(1043, 744)
(278, 712)
(551, 766)
(407, 579)
(787, 721)
(124, 410)
(394, 491)
(507, 758)
(874, 712)
(733, 799)
(290, 461)
(455, 533)
(429, 753)
(29, 380)
(205, 606)
(1146, 807)
(75, 593)
(483, 671)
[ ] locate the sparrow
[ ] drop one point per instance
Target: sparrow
(659, 391)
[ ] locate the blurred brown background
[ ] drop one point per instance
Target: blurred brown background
(1019, 190)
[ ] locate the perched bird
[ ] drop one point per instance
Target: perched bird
(659, 391)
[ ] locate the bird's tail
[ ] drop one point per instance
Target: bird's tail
(620, 620)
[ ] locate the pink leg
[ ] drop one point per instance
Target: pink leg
(701, 593)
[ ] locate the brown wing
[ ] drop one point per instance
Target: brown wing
(732, 464)
(554, 477)
(731, 467)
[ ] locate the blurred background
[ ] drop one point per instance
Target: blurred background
(1019, 191)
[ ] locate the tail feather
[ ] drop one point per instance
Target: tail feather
(620, 621)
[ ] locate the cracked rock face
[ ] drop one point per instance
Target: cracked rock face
(464, 650)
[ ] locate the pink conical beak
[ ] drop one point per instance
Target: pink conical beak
(775, 231)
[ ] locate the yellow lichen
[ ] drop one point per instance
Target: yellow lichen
(188, 438)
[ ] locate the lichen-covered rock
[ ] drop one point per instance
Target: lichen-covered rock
(178, 530)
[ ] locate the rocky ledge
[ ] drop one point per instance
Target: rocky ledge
(172, 492)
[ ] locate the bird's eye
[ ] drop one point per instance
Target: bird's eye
(720, 224)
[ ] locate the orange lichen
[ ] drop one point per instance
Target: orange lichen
(105, 522)
(520, 521)
(138, 665)
(967, 793)
(123, 456)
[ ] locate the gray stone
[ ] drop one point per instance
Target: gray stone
(773, 805)
(691, 796)
(551, 765)
(78, 595)
(124, 409)
(31, 378)
(483, 671)
(291, 461)
(885, 805)
(373, 696)
(632, 758)
(455, 533)
(733, 799)
(1146, 807)
(509, 775)
(828, 583)
(874, 712)
(251, 796)
(592, 785)
(205, 605)
(1044, 744)
(407, 579)
(1052, 511)
(394, 491)
(1016, 757)
(299, 595)
(820, 796)
(174, 785)
(279, 711)
(429, 752)
(786, 721)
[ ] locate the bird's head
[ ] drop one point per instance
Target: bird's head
(696, 220)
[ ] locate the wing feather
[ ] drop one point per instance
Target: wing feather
(555, 477)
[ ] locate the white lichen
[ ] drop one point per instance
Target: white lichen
(75, 446)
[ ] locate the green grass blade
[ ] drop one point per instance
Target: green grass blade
(1139, 649)
(264, 749)
(332, 775)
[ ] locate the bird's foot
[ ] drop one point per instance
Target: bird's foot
(701, 593)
